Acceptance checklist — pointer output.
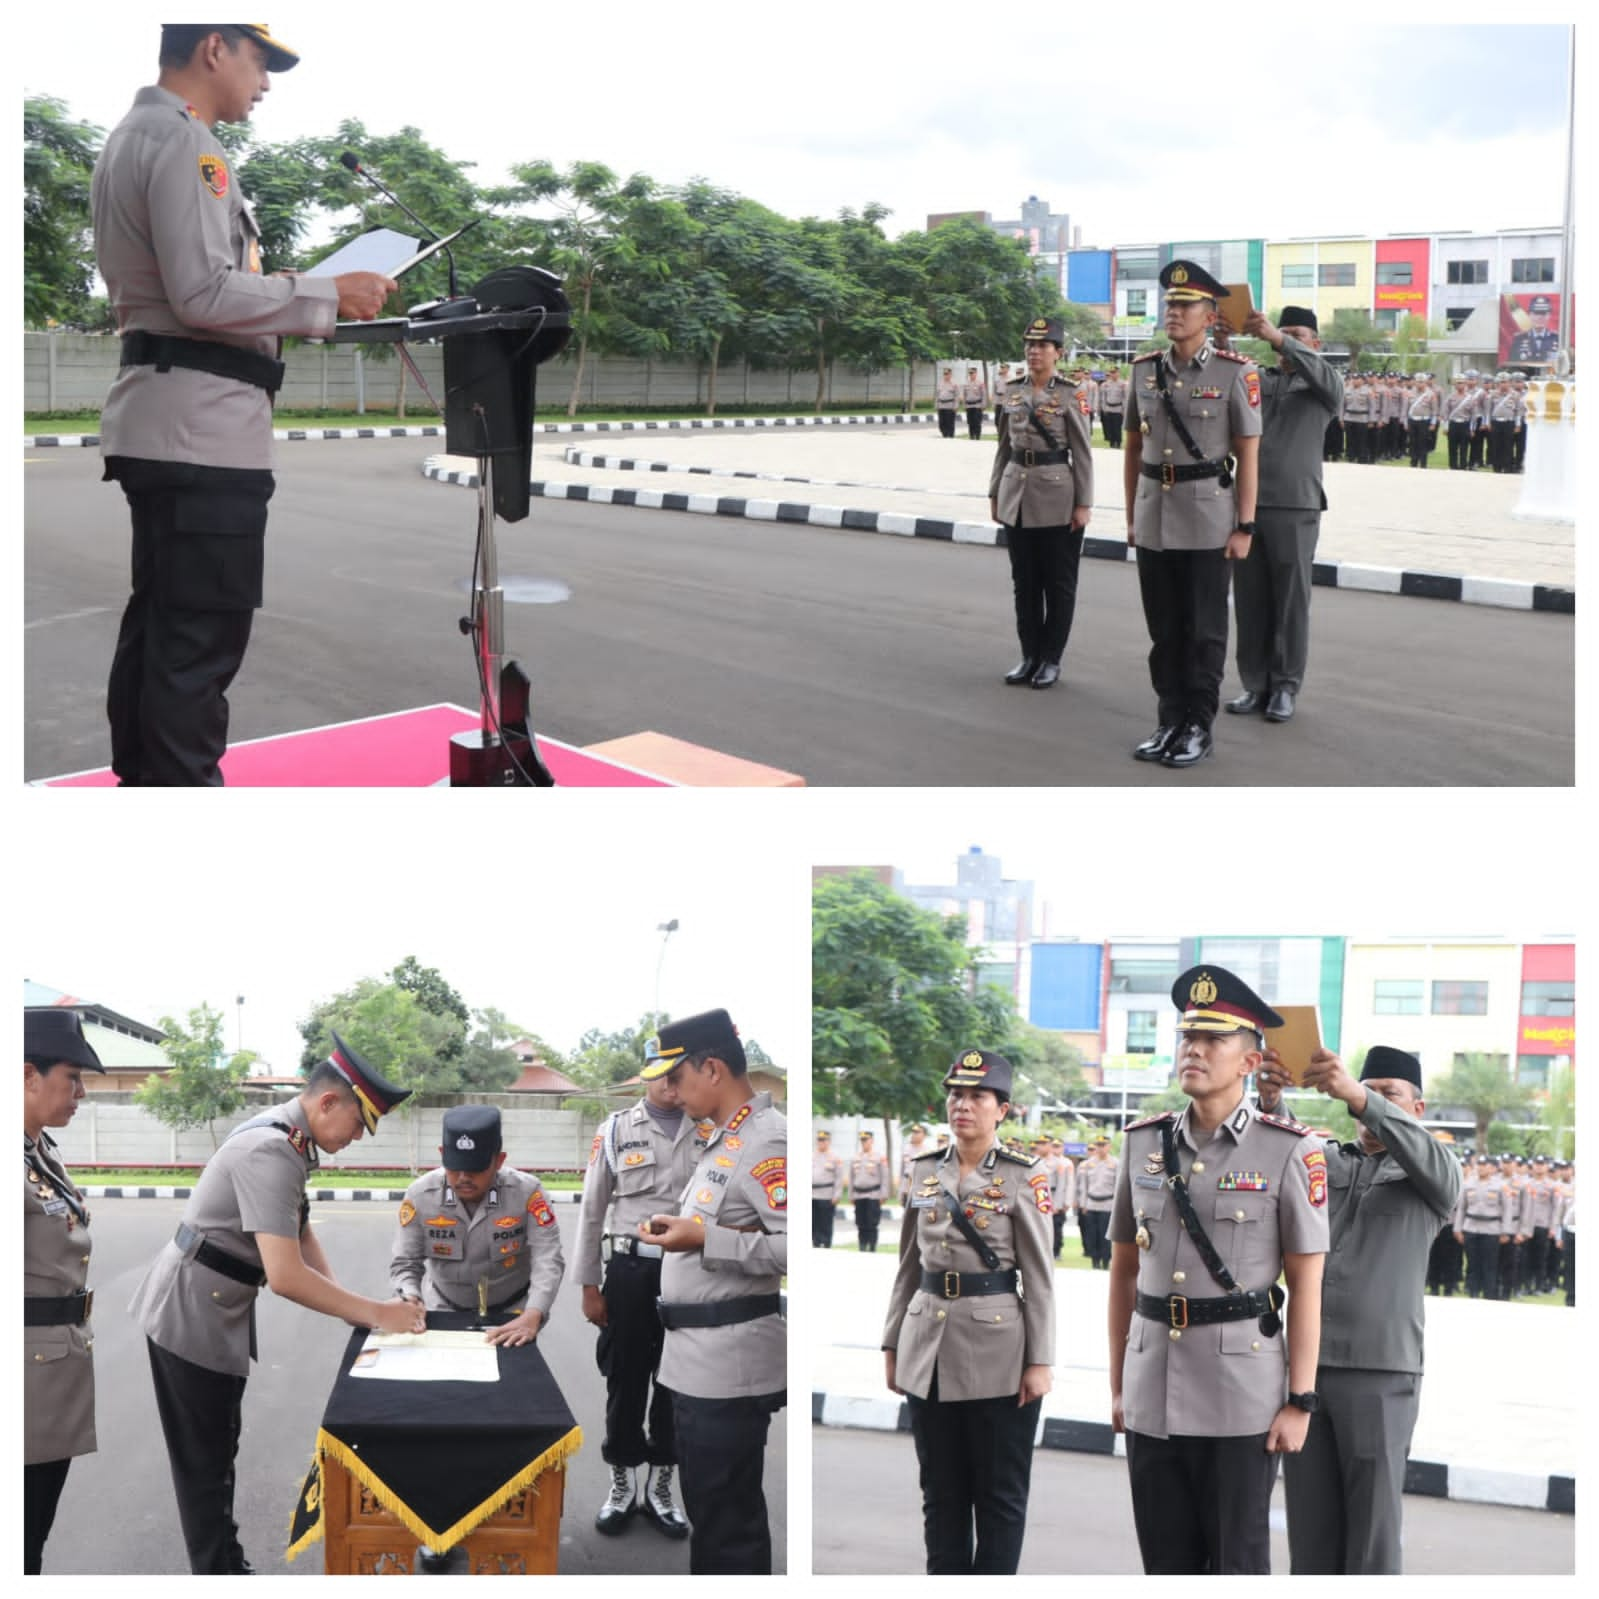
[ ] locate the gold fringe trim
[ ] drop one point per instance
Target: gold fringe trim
(314, 1532)
(553, 1458)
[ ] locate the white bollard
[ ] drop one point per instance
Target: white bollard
(1549, 473)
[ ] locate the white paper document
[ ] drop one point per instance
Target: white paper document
(376, 250)
(437, 1356)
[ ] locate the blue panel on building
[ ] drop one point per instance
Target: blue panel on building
(1065, 987)
(1088, 277)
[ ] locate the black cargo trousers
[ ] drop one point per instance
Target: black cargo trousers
(199, 539)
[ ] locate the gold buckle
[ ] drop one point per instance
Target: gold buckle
(1173, 1301)
(1168, 474)
(949, 1278)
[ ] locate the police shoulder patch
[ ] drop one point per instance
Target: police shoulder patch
(1148, 355)
(407, 1213)
(1152, 1121)
(1231, 355)
(1297, 1128)
(1015, 1159)
(930, 1154)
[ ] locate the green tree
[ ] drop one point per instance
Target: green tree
(1050, 1067)
(1482, 1086)
(1559, 1113)
(1356, 332)
(58, 157)
(603, 1061)
(203, 1082)
(984, 285)
(1411, 339)
(893, 996)
(392, 1029)
(487, 1062)
(1083, 328)
(434, 995)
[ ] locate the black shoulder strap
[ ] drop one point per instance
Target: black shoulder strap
(1171, 410)
(957, 1214)
(1185, 1207)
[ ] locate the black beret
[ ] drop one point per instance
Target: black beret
(1381, 1061)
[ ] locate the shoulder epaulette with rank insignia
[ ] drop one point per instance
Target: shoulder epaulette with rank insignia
(1019, 1160)
(928, 1154)
(1297, 1128)
(298, 1140)
(1231, 355)
(1148, 355)
(1151, 1121)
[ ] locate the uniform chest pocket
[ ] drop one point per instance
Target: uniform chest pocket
(509, 1235)
(997, 1316)
(1150, 1203)
(1246, 1338)
(445, 1243)
(1240, 1209)
(635, 1172)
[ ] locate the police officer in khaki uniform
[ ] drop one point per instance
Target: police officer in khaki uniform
(1041, 491)
(187, 426)
(1271, 587)
(1189, 476)
(827, 1181)
(1389, 1192)
(946, 399)
(970, 1334)
(1112, 403)
(640, 1159)
(1212, 1203)
(915, 1148)
(868, 1187)
(726, 1351)
(1062, 1192)
(1096, 1194)
(974, 396)
(1540, 1217)
(1482, 1223)
(477, 1235)
(57, 1337)
(246, 1227)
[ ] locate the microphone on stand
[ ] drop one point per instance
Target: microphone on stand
(352, 162)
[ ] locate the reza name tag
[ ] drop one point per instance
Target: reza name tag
(1144, 1180)
(54, 1207)
(1242, 1182)
(924, 1202)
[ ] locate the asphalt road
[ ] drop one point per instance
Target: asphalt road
(851, 658)
(118, 1514)
(1080, 1519)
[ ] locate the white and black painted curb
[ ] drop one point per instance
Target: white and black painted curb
(1429, 1478)
(1505, 593)
(556, 1196)
(42, 441)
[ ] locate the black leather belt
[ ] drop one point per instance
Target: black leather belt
(493, 1310)
(1042, 457)
(719, 1312)
(72, 1310)
(1173, 1310)
(1169, 474)
(968, 1284)
(625, 1244)
(219, 1260)
(164, 351)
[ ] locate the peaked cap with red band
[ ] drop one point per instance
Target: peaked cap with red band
(1213, 1000)
(374, 1093)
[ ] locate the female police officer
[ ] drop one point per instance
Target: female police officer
(970, 1335)
(58, 1378)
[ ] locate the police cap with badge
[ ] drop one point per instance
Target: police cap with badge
(980, 1068)
(1213, 1000)
(1046, 330)
(52, 1036)
(471, 1137)
(710, 1032)
(374, 1093)
(180, 38)
(1187, 280)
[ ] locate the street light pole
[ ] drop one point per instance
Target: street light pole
(239, 1044)
(665, 929)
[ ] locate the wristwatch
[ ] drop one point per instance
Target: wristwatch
(1309, 1403)
(1245, 527)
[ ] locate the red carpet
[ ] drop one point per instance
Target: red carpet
(410, 749)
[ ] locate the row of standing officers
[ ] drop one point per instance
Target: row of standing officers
(681, 1250)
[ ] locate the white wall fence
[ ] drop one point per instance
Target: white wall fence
(538, 1135)
(73, 371)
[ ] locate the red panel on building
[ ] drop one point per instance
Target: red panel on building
(1396, 254)
(1548, 1035)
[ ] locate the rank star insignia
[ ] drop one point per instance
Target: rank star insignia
(1155, 1166)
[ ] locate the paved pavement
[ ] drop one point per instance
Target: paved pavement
(118, 1514)
(1456, 522)
(867, 1516)
(1500, 1426)
(849, 658)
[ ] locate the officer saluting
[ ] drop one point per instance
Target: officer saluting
(639, 1161)
(726, 1352)
(1189, 477)
(187, 426)
(247, 1227)
(475, 1234)
(1212, 1203)
(58, 1346)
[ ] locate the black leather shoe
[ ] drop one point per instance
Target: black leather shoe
(1247, 703)
(1190, 746)
(1022, 671)
(1154, 746)
(1281, 708)
(1047, 674)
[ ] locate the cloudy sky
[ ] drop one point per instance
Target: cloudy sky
(1350, 128)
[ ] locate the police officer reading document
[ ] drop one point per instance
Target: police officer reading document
(726, 1251)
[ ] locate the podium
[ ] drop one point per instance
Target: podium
(494, 340)
(468, 1466)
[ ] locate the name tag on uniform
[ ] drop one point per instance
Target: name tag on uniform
(54, 1207)
(1144, 1180)
(1253, 1182)
(925, 1202)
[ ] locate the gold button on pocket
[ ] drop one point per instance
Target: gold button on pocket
(1238, 1215)
(1256, 1344)
(1174, 1334)
(215, 1294)
(1179, 1276)
(942, 1314)
(1199, 1165)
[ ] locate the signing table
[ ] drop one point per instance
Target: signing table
(404, 1461)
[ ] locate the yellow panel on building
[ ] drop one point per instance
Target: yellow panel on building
(1327, 275)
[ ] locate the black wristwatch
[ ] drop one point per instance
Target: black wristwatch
(1309, 1403)
(1245, 527)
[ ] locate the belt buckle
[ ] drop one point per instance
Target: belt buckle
(88, 1306)
(1168, 474)
(1173, 1301)
(952, 1277)
(1027, 458)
